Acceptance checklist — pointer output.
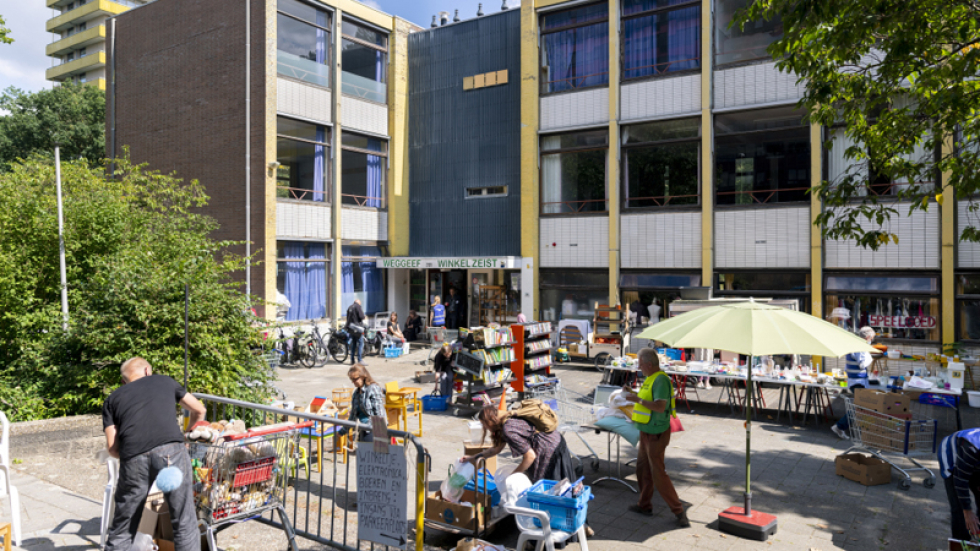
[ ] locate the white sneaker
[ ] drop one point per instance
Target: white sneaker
(841, 434)
(707, 385)
(700, 384)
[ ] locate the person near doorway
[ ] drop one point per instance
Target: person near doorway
(454, 309)
(437, 314)
(141, 430)
(355, 331)
(857, 365)
(413, 326)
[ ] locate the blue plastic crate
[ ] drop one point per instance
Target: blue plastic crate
(567, 513)
(477, 484)
(435, 403)
(393, 351)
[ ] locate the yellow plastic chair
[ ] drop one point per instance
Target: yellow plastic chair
(404, 399)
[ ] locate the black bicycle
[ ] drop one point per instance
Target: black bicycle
(334, 347)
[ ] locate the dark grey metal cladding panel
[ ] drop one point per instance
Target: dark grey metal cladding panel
(459, 140)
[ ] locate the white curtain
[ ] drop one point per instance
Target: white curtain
(551, 176)
(838, 166)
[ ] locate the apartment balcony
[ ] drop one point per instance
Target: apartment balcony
(92, 10)
(76, 41)
(82, 65)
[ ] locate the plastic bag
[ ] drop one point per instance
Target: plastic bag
(144, 542)
(460, 473)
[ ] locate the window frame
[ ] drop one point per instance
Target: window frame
(360, 42)
(467, 196)
(936, 294)
(885, 195)
(331, 15)
(541, 35)
(664, 9)
(715, 42)
(574, 149)
(961, 297)
(624, 165)
(327, 260)
(328, 171)
(384, 172)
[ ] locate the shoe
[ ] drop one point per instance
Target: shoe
(589, 532)
(707, 386)
(683, 521)
(700, 385)
(641, 511)
(840, 434)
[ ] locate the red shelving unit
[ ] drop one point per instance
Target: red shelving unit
(532, 352)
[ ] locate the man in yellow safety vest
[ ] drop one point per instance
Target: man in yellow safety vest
(651, 414)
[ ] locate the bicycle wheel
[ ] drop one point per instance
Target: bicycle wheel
(322, 355)
(307, 355)
(338, 351)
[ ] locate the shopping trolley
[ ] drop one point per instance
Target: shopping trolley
(244, 477)
(575, 413)
(438, 336)
(878, 434)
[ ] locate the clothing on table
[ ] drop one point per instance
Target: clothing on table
(144, 413)
(655, 388)
(857, 364)
(413, 327)
(136, 476)
(438, 316)
(651, 472)
(521, 436)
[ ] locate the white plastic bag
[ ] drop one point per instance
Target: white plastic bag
(144, 542)
(460, 473)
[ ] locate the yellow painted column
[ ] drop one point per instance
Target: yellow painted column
(613, 162)
(949, 238)
(398, 200)
(530, 186)
(707, 150)
(270, 154)
(816, 236)
(337, 174)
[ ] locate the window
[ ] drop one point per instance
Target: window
(303, 42)
(573, 172)
(660, 165)
(777, 285)
(567, 294)
(303, 277)
(492, 191)
(660, 37)
(968, 307)
(649, 295)
(303, 153)
(736, 45)
(363, 163)
(575, 48)
(896, 307)
(762, 156)
(362, 279)
(878, 184)
(364, 55)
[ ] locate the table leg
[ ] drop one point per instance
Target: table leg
(619, 466)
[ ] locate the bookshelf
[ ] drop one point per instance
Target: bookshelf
(493, 304)
(484, 365)
(532, 356)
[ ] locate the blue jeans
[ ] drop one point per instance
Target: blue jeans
(356, 347)
(844, 423)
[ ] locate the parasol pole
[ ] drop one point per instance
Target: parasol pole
(748, 441)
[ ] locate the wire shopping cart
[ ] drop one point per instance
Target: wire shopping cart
(575, 413)
(244, 477)
(878, 434)
(438, 336)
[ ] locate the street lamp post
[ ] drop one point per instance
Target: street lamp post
(61, 238)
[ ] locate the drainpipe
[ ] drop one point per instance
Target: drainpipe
(248, 149)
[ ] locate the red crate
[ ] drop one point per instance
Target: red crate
(253, 472)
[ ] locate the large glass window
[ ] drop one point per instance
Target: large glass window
(740, 45)
(762, 156)
(573, 172)
(777, 285)
(575, 48)
(660, 37)
(364, 61)
(362, 279)
(661, 163)
(303, 277)
(896, 307)
(364, 164)
(648, 296)
(567, 294)
(968, 307)
(878, 184)
(303, 153)
(303, 42)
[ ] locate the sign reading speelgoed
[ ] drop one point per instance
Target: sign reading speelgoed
(902, 322)
(456, 263)
(382, 495)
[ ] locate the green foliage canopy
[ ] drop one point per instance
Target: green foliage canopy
(4, 32)
(900, 76)
(131, 241)
(72, 115)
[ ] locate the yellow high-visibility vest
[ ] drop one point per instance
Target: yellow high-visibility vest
(641, 414)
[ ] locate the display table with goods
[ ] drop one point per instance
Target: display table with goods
(607, 336)
(483, 364)
(532, 358)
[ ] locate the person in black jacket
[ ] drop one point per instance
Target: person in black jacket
(454, 309)
(413, 326)
(355, 330)
(443, 365)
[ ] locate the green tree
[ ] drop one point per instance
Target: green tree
(70, 114)
(900, 76)
(131, 241)
(4, 32)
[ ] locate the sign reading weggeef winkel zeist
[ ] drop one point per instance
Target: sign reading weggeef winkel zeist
(451, 263)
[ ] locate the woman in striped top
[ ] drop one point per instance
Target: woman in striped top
(959, 465)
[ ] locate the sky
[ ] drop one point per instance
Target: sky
(22, 64)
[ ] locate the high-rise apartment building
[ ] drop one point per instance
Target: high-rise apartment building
(78, 50)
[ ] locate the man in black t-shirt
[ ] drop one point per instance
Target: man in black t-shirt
(355, 331)
(140, 424)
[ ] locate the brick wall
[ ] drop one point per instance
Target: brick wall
(178, 103)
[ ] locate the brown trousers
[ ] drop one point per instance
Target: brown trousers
(651, 472)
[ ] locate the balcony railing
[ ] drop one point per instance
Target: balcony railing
(364, 88)
(756, 196)
(301, 68)
(574, 207)
(362, 201)
(662, 201)
(301, 194)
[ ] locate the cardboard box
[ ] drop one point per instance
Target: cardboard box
(888, 403)
(864, 469)
(156, 523)
(473, 448)
(454, 514)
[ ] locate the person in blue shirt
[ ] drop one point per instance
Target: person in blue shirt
(856, 365)
(438, 317)
(959, 466)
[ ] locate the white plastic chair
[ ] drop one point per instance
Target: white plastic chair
(6, 485)
(108, 498)
(525, 516)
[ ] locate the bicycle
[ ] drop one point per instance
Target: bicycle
(335, 346)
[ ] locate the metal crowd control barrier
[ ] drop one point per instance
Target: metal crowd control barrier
(312, 501)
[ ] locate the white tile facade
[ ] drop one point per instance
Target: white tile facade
(762, 238)
(364, 224)
(918, 243)
(573, 109)
(302, 220)
(968, 253)
(364, 115)
(754, 85)
(304, 101)
(661, 240)
(661, 97)
(575, 242)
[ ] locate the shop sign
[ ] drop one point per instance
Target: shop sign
(903, 322)
(456, 263)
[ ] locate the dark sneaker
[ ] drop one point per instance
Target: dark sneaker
(641, 511)
(683, 521)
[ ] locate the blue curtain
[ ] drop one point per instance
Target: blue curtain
(316, 283)
(684, 38)
(372, 282)
(661, 43)
(319, 163)
(560, 52)
(375, 174)
(346, 281)
(592, 55)
(321, 37)
(379, 58)
(639, 48)
(295, 281)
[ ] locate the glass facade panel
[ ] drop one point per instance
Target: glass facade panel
(559, 304)
(303, 276)
(577, 139)
(662, 43)
(734, 44)
(763, 167)
(757, 120)
(360, 32)
(363, 174)
(677, 129)
(362, 279)
(303, 170)
(364, 72)
(573, 182)
(574, 53)
(883, 284)
(661, 175)
(968, 319)
(303, 47)
(763, 281)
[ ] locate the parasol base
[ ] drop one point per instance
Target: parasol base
(756, 526)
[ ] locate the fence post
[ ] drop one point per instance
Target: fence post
(421, 492)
